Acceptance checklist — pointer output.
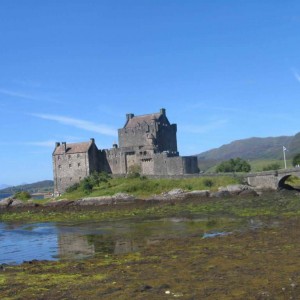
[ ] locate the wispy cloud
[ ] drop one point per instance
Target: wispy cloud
(21, 95)
(17, 94)
(78, 123)
(204, 128)
(296, 74)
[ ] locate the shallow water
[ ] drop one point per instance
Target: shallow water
(56, 241)
(2, 196)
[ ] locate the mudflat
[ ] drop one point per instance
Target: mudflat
(260, 262)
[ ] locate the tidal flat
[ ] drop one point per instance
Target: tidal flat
(248, 262)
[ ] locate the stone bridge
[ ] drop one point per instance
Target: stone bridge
(271, 179)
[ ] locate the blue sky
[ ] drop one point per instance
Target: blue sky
(70, 70)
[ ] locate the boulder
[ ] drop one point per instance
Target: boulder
(174, 192)
(249, 192)
(59, 203)
(106, 200)
(198, 194)
(5, 202)
(220, 194)
(17, 202)
(235, 189)
(103, 200)
(123, 196)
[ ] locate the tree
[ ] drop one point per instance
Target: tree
(296, 160)
(233, 165)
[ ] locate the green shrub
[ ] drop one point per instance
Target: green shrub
(208, 182)
(22, 195)
(86, 186)
(72, 188)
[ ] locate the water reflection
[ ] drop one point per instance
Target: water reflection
(52, 241)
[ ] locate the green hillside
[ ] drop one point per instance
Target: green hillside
(256, 150)
(37, 187)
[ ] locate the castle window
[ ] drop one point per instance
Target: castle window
(70, 165)
(70, 178)
(59, 166)
(69, 156)
(78, 155)
(58, 157)
(78, 164)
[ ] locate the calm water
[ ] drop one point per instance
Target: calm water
(53, 241)
(2, 196)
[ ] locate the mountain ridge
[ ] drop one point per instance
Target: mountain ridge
(254, 148)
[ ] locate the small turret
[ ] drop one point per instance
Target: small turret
(129, 116)
(163, 111)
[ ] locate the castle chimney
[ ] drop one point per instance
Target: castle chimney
(129, 116)
(64, 146)
(92, 140)
(163, 111)
(57, 144)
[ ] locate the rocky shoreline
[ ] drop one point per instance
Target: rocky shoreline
(123, 198)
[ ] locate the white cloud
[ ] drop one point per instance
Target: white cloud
(78, 123)
(203, 128)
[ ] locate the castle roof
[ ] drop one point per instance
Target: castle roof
(148, 119)
(72, 148)
(134, 121)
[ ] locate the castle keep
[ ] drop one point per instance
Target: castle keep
(147, 143)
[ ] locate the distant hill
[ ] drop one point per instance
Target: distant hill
(3, 186)
(37, 187)
(251, 149)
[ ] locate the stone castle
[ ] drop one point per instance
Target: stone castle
(147, 143)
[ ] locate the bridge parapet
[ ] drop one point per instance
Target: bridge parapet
(270, 179)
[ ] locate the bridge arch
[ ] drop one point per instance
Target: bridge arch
(287, 186)
(282, 185)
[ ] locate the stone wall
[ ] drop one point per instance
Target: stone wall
(265, 182)
(143, 136)
(69, 169)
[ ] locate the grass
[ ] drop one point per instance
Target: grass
(143, 187)
(259, 164)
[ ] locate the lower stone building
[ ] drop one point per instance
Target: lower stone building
(147, 144)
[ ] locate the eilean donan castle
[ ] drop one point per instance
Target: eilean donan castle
(147, 143)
